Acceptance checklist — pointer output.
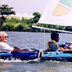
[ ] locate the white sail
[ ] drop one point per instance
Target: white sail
(58, 12)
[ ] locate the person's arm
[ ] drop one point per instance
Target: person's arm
(16, 49)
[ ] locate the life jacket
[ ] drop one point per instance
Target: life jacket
(54, 43)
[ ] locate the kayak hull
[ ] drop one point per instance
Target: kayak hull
(21, 56)
(57, 56)
(64, 59)
(43, 56)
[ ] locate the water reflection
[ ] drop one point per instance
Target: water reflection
(56, 67)
(4, 71)
(7, 65)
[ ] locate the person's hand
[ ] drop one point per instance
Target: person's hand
(25, 50)
(70, 46)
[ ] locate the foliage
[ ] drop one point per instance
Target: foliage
(69, 28)
(5, 10)
(2, 19)
(7, 27)
(24, 21)
(2, 28)
(12, 20)
(36, 17)
(19, 28)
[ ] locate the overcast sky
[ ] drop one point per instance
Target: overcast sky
(26, 6)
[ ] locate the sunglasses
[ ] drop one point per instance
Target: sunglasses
(6, 37)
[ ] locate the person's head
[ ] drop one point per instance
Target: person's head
(3, 37)
(55, 36)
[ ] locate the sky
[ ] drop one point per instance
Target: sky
(26, 7)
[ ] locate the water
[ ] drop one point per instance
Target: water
(37, 40)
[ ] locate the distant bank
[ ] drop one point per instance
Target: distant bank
(20, 23)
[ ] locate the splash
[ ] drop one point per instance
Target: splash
(18, 60)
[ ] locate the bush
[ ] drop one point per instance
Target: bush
(69, 28)
(12, 20)
(8, 27)
(2, 28)
(19, 28)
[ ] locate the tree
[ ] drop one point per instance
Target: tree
(8, 27)
(5, 10)
(68, 28)
(36, 17)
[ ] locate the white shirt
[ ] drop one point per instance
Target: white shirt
(4, 47)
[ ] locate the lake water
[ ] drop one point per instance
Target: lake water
(36, 40)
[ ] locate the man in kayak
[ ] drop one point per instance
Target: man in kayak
(4, 47)
(53, 46)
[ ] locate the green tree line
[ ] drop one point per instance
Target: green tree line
(15, 24)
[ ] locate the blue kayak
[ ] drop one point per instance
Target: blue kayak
(54, 56)
(19, 55)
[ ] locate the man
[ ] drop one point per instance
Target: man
(4, 47)
(52, 45)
